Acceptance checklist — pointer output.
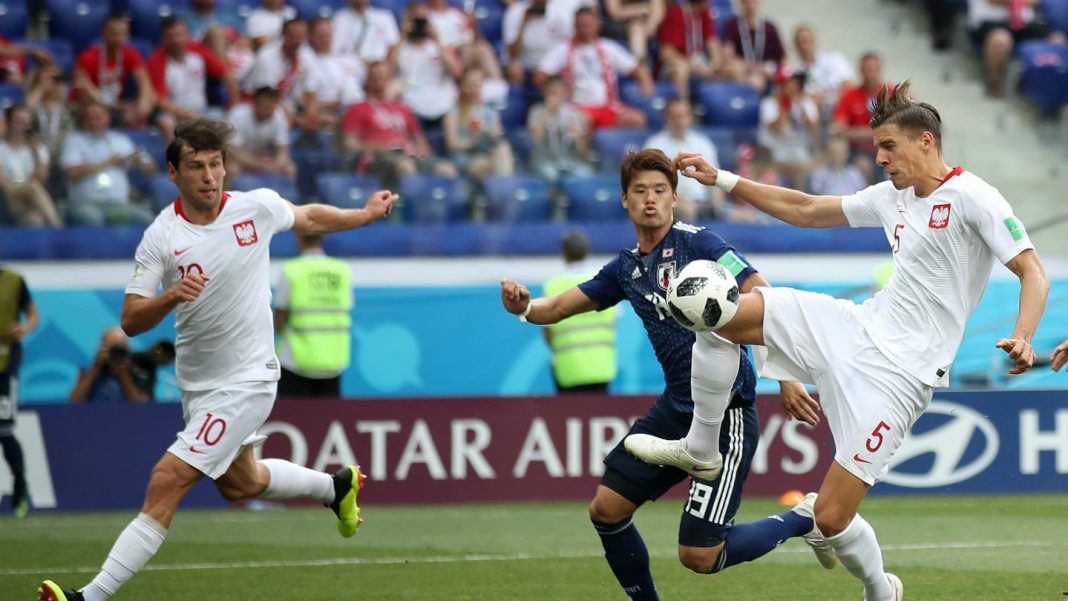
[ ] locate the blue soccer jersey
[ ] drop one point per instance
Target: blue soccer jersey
(643, 280)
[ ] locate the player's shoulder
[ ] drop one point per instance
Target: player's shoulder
(968, 187)
(255, 197)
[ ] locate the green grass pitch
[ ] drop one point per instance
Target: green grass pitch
(993, 548)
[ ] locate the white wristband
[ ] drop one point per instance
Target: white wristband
(725, 180)
(526, 312)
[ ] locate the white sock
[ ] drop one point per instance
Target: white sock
(859, 552)
(137, 543)
(289, 481)
(712, 374)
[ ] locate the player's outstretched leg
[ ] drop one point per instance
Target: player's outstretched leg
(814, 538)
(712, 375)
(347, 484)
(50, 591)
(895, 583)
(747, 542)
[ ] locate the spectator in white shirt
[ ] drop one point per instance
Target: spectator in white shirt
(695, 200)
(289, 66)
(24, 164)
(428, 68)
(457, 30)
(531, 28)
(366, 31)
(837, 176)
(264, 24)
(341, 76)
(261, 136)
(591, 65)
(789, 124)
(829, 73)
(96, 159)
(559, 135)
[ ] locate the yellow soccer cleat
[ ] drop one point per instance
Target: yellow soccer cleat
(347, 484)
(50, 591)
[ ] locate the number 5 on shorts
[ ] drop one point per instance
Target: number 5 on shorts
(875, 441)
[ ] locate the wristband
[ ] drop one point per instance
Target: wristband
(725, 180)
(526, 312)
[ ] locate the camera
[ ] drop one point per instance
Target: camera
(118, 352)
(420, 28)
(537, 9)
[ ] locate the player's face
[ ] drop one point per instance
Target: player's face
(649, 200)
(200, 178)
(900, 154)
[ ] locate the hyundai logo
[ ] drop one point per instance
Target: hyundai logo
(948, 443)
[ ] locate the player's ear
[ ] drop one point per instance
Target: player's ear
(623, 198)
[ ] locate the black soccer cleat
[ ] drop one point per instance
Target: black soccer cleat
(347, 484)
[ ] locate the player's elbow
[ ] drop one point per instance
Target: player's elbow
(130, 324)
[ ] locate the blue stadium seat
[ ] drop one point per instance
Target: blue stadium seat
(310, 163)
(489, 19)
(729, 104)
(14, 18)
(595, 198)
(514, 111)
(282, 184)
(162, 191)
(517, 198)
(77, 21)
(519, 138)
(345, 190)
(1056, 14)
(309, 9)
(431, 199)
(144, 47)
(61, 51)
(152, 143)
(11, 94)
(726, 145)
(612, 144)
(722, 11)
(1044, 74)
(241, 8)
(653, 106)
(145, 16)
(397, 7)
(436, 139)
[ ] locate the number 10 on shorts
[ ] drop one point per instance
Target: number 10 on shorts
(212, 430)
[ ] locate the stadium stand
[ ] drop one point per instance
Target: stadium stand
(517, 199)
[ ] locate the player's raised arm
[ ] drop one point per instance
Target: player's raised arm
(324, 219)
(547, 309)
(1034, 287)
(792, 206)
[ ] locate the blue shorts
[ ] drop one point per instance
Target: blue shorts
(710, 507)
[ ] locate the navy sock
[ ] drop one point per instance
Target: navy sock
(629, 559)
(746, 542)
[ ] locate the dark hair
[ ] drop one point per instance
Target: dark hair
(291, 23)
(679, 100)
(198, 134)
(265, 92)
(575, 246)
(170, 21)
(894, 107)
(650, 159)
(585, 10)
(119, 17)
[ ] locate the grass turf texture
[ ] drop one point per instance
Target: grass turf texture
(999, 548)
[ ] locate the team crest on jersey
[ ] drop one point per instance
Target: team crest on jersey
(664, 273)
(668, 253)
(939, 217)
(245, 232)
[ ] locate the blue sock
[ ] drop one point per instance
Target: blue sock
(746, 542)
(629, 559)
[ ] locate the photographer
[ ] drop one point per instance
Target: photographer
(117, 375)
(429, 69)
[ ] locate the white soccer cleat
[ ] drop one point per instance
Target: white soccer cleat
(895, 583)
(824, 552)
(657, 451)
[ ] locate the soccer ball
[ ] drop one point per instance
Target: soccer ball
(703, 296)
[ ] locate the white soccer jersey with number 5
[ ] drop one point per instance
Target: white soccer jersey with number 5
(944, 249)
(226, 335)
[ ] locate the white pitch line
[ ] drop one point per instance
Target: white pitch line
(345, 561)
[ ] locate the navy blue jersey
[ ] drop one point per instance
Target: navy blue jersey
(643, 280)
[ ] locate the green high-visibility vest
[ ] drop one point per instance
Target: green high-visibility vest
(584, 346)
(317, 330)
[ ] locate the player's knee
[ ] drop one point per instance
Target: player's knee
(604, 513)
(236, 491)
(701, 561)
(832, 519)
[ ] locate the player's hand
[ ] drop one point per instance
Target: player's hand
(1059, 356)
(191, 286)
(17, 332)
(798, 404)
(380, 204)
(515, 296)
(1020, 352)
(695, 166)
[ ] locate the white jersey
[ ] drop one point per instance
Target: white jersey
(226, 335)
(944, 250)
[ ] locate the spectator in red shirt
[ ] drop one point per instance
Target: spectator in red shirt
(754, 50)
(688, 44)
(179, 70)
(852, 115)
(13, 60)
(383, 136)
(101, 73)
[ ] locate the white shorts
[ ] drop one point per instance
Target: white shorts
(870, 403)
(220, 423)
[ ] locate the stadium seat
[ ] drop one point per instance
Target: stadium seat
(162, 191)
(726, 145)
(1044, 74)
(145, 16)
(653, 106)
(614, 143)
(436, 139)
(11, 94)
(1056, 14)
(77, 21)
(489, 19)
(397, 7)
(594, 198)
(61, 51)
(14, 18)
(430, 199)
(514, 111)
(729, 104)
(519, 138)
(241, 8)
(345, 190)
(282, 184)
(309, 9)
(310, 163)
(144, 47)
(152, 143)
(517, 198)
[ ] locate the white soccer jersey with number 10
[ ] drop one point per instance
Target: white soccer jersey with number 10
(944, 249)
(226, 335)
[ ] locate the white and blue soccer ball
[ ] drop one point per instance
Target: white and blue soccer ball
(703, 296)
